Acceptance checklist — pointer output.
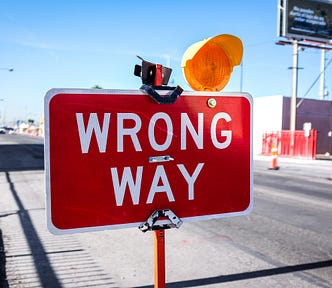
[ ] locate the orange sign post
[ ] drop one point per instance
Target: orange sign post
(159, 259)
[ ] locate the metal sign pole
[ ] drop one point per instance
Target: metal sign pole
(157, 224)
(159, 259)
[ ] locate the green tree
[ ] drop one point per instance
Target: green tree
(96, 87)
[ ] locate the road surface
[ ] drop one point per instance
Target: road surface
(284, 242)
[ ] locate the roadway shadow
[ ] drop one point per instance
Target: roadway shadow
(21, 157)
(247, 275)
(3, 274)
(44, 270)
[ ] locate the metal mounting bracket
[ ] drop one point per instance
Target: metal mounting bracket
(169, 98)
(151, 224)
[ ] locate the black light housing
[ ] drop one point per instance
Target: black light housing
(152, 74)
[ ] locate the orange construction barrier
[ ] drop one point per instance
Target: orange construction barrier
(274, 160)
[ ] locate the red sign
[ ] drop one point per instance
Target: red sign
(113, 157)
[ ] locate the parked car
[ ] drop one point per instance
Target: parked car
(6, 130)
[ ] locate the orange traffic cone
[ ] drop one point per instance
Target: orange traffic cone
(274, 160)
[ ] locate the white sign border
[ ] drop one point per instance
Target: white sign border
(55, 91)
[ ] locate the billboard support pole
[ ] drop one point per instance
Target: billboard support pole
(294, 94)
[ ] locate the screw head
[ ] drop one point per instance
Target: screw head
(212, 103)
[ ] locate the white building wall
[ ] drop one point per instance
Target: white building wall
(267, 117)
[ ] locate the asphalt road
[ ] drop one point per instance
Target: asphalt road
(284, 242)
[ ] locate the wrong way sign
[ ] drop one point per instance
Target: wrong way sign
(115, 156)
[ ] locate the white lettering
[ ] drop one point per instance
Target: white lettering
(160, 174)
(127, 180)
(197, 136)
(227, 133)
(190, 179)
(160, 131)
(132, 132)
(93, 125)
(169, 130)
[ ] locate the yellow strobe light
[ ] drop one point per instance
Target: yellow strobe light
(207, 65)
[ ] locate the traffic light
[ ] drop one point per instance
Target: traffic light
(207, 65)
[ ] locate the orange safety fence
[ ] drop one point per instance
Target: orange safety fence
(297, 144)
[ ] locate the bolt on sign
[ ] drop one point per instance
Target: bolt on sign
(115, 156)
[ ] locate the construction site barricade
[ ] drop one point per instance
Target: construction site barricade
(294, 144)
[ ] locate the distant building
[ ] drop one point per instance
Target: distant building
(272, 113)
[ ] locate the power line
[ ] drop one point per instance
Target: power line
(313, 84)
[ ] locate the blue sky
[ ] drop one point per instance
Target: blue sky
(79, 44)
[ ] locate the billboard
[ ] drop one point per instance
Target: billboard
(305, 20)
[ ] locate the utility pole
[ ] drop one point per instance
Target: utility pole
(322, 91)
(292, 124)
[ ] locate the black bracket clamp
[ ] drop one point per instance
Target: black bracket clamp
(151, 224)
(169, 98)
